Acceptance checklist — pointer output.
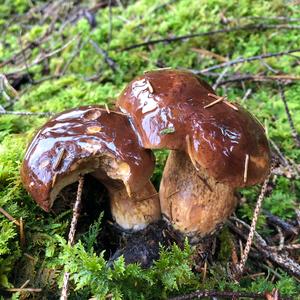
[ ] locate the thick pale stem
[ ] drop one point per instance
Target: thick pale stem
(137, 211)
(193, 202)
(131, 208)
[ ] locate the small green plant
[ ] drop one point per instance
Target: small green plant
(172, 272)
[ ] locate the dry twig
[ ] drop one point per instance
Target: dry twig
(287, 247)
(219, 79)
(8, 216)
(31, 290)
(240, 267)
(248, 77)
(25, 59)
(220, 99)
(6, 89)
(71, 237)
(25, 284)
(211, 54)
(38, 60)
(276, 221)
(222, 294)
(248, 59)
(246, 96)
(110, 62)
(26, 113)
(246, 167)
(22, 233)
(59, 158)
(258, 27)
(295, 134)
(284, 261)
(279, 153)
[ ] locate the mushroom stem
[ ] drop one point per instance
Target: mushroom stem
(201, 203)
(137, 211)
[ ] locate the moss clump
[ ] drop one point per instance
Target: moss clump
(81, 74)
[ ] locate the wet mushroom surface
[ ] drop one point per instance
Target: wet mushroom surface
(101, 144)
(218, 146)
(91, 140)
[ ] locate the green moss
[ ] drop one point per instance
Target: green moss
(68, 92)
(137, 22)
(169, 274)
(226, 245)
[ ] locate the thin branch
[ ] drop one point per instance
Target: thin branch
(281, 239)
(26, 113)
(80, 46)
(110, 25)
(71, 237)
(22, 233)
(289, 167)
(258, 238)
(295, 134)
(288, 172)
(8, 216)
(29, 46)
(279, 153)
(219, 79)
(264, 63)
(111, 63)
(25, 59)
(31, 290)
(240, 267)
(248, 59)
(246, 95)
(275, 18)
(285, 262)
(287, 247)
(6, 89)
(25, 284)
(258, 27)
(222, 294)
(50, 77)
(41, 59)
(286, 78)
(275, 220)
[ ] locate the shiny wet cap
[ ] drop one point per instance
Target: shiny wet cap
(80, 141)
(172, 109)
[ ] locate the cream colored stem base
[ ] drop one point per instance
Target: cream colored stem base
(137, 212)
(194, 203)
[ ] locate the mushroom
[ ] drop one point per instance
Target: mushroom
(216, 146)
(92, 140)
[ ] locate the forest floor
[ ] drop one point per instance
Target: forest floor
(63, 54)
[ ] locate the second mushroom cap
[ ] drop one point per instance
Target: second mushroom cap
(170, 109)
(216, 146)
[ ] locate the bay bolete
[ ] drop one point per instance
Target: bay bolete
(216, 146)
(92, 140)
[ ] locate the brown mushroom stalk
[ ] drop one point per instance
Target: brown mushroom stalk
(201, 203)
(216, 146)
(131, 210)
(92, 140)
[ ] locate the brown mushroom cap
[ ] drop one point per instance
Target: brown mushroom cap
(167, 109)
(80, 141)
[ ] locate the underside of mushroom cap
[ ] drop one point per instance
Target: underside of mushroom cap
(79, 141)
(170, 109)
